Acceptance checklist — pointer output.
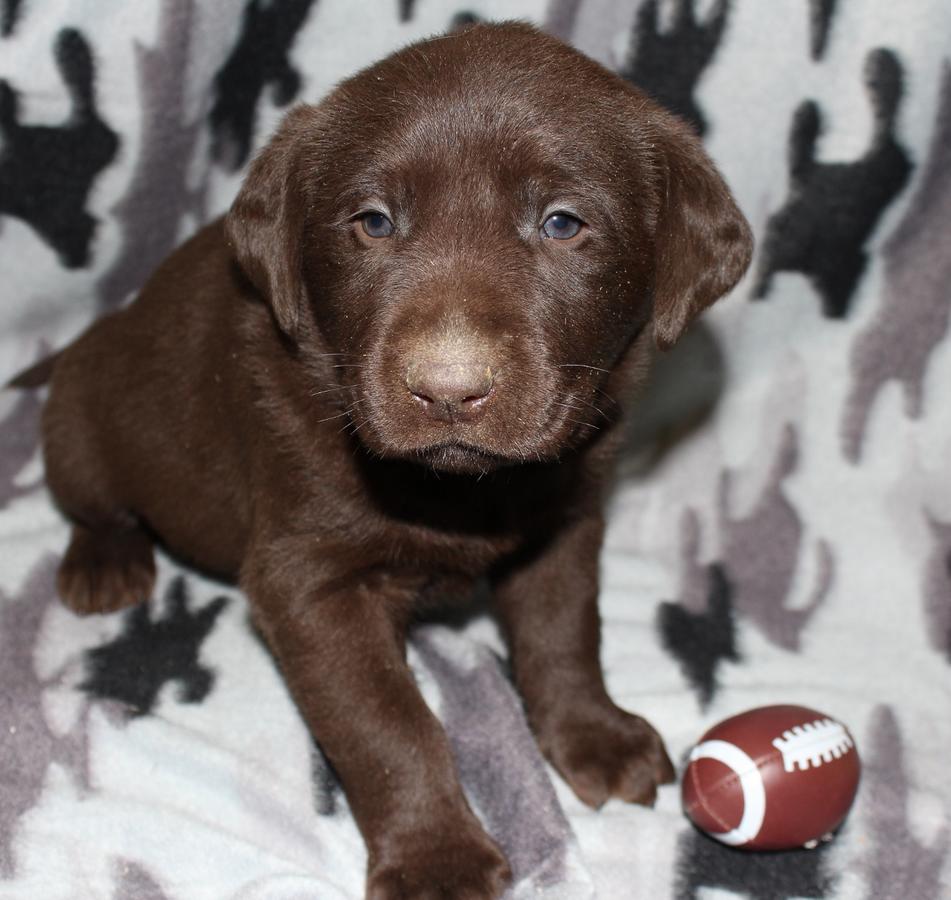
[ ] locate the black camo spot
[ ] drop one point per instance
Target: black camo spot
(47, 171)
(151, 652)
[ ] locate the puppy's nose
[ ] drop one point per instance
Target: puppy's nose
(454, 391)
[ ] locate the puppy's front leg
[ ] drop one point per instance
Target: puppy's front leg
(340, 644)
(548, 606)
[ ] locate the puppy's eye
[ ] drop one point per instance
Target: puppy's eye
(561, 226)
(376, 225)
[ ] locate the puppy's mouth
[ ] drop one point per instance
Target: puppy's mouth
(461, 457)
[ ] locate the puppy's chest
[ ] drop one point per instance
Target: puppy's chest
(466, 553)
(400, 516)
(447, 530)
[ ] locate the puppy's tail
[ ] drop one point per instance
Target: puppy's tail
(36, 375)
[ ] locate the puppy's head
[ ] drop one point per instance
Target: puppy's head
(466, 239)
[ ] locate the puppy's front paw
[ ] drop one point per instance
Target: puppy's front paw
(603, 752)
(448, 865)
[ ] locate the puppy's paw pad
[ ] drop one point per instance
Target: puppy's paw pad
(606, 752)
(460, 869)
(106, 570)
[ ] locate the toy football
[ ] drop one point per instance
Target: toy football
(772, 778)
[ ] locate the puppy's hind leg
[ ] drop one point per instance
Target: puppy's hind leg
(109, 563)
(106, 568)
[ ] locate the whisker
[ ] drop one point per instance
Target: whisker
(587, 403)
(341, 387)
(356, 428)
(583, 366)
(606, 395)
(586, 424)
(330, 418)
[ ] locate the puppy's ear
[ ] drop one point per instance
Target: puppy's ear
(703, 241)
(265, 225)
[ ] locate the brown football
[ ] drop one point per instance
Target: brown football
(772, 778)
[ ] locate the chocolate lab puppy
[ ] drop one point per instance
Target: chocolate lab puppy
(395, 367)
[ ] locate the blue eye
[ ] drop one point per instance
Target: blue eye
(561, 226)
(376, 225)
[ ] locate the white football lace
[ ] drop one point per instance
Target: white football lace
(812, 744)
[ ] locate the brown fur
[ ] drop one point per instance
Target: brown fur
(346, 422)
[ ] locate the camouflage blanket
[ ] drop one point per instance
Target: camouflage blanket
(781, 528)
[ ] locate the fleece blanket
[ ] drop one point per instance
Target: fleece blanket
(781, 527)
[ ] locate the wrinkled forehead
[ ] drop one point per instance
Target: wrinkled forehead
(465, 148)
(471, 122)
(467, 145)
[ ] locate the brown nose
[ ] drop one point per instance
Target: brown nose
(450, 391)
